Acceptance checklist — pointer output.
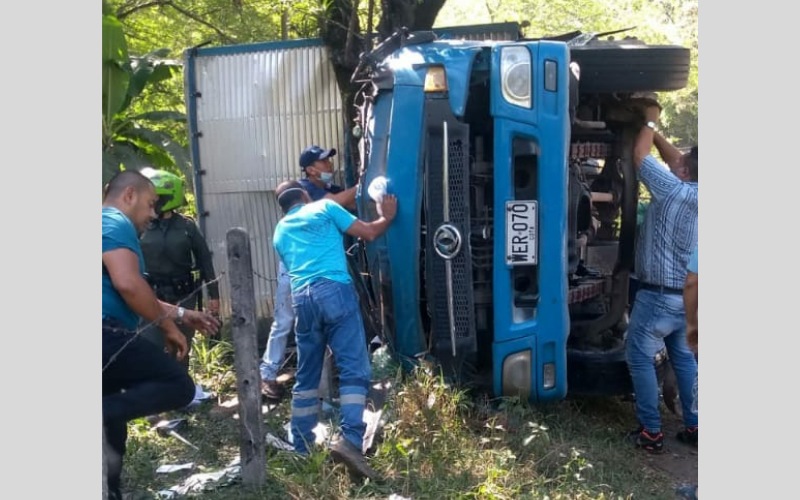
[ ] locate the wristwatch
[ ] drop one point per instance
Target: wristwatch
(652, 125)
(179, 315)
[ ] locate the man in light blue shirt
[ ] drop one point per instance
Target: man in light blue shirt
(309, 242)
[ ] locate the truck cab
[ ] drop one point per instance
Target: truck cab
(509, 259)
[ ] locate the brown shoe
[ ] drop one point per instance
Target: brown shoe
(271, 389)
(345, 452)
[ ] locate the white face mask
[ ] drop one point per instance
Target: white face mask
(326, 177)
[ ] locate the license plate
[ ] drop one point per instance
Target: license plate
(521, 233)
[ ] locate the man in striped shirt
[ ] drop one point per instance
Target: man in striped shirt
(666, 240)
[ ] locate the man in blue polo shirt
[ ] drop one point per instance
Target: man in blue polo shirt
(317, 167)
(139, 379)
(308, 240)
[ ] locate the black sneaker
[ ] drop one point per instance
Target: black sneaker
(652, 443)
(688, 436)
(344, 452)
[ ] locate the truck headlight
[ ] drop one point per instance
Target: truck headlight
(517, 375)
(515, 75)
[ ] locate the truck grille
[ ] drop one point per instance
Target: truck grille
(458, 149)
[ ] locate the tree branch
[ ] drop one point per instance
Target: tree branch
(351, 33)
(426, 13)
(492, 12)
(203, 22)
(122, 14)
(167, 3)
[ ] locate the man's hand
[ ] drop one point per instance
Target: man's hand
(652, 113)
(388, 207)
(202, 321)
(644, 102)
(174, 340)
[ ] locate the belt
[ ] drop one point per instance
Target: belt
(660, 289)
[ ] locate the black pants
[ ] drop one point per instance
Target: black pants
(156, 336)
(142, 380)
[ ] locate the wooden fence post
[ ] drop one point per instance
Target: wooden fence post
(248, 377)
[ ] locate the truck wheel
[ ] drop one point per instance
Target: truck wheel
(628, 66)
(598, 373)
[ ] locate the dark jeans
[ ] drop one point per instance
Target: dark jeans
(142, 380)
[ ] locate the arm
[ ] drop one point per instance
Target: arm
(690, 305)
(644, 141)
(368, 231)
(668, 152)
(346, 198)
(123, 268)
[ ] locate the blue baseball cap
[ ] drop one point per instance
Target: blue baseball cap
(314, 153)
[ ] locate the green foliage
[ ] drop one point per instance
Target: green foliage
(672, 22)
(438, 443)
(131, 139)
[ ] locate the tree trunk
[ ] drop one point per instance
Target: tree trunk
(345, 45)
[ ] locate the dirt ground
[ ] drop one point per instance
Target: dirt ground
(679, 460)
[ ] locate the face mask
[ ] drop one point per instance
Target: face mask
(326, 177)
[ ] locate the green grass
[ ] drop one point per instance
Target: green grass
(438, 443)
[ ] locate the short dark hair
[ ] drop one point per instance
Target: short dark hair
(122, 181)
(289, 193)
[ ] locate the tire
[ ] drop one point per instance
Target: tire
(598, 373)
(631, 67)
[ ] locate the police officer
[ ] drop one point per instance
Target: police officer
(173, 248)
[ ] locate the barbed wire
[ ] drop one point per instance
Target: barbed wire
(140, 329)
(162, 317)
(271, 280)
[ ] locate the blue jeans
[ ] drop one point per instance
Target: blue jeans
(658, 320)
(281, 327)
(328, 314)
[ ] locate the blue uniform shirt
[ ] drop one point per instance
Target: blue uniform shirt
(308, 240)
(119, 232)
(317, 193)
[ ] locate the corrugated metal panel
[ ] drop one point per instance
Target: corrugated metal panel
(497, 32)
(257, 111)
(257, 212)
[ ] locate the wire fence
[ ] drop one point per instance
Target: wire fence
(144, 327)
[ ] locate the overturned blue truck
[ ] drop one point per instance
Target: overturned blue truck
(510, 257)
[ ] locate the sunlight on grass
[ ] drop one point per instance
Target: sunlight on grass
(439, 442)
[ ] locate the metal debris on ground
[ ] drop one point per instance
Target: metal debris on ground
(208, 481)
(168, 468)
(373, 420)
(171, 427)
(277, 442)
